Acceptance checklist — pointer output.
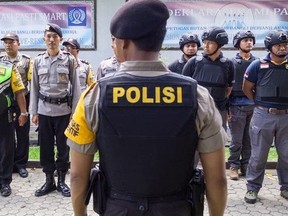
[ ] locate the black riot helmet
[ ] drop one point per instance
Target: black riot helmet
(217, 34)
(241, 35)
(189, 38)
(275, 37)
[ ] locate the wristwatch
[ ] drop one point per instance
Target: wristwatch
(24, 114)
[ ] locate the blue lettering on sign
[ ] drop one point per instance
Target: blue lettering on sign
(77, 16)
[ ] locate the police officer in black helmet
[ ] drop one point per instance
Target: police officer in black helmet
(241, 108)
(213, 70)
(265, 82)
(189, 44)
(146, 122)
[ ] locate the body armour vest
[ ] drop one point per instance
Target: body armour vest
(147, 135)
(240, 66)
(214, 77)
(178, 65)
(272, 84)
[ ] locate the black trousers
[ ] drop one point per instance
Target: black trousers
(52, 129)
(21, 153)
(6, 147)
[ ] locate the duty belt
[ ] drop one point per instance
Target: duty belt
(53, 100)
(274, 111)
(167, 198)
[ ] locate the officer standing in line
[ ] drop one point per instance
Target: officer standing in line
(24, 65)
(241, 108)
(11, 86)
(146, 122)
(265, 82)
(85, 74)
(213, 70)
(50, 107)
(189, 44)
(110, 65)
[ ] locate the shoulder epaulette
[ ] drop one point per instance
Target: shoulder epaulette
(25, 56)
(43, 53)
(84, 61)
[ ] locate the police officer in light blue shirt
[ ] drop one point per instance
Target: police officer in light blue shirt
(50, 107)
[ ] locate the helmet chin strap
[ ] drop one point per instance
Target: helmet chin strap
(279, 56)
(245, 51)
(189, 56)
(218, 47)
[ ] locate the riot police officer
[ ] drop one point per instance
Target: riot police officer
(25, 66)
(213, 70)
(85, 74)
(241, 108)
(146, 122)
(189, 44)
(10, 86)
(50, 107)
(265, 82)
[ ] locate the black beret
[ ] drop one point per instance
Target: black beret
(73, 42)
(11, 36)
(138, 18)
(52, 27)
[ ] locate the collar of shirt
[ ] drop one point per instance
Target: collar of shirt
(268, 58)
(238, 56)
(60, 54)
(145, 68)
(208, 57)
(15, 60)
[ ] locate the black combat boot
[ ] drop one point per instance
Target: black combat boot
(61, 186)
(48, 187)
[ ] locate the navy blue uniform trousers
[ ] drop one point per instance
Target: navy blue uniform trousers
(51, 129)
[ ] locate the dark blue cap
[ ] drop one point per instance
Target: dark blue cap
(138, 18)
(73, 42)
(52, 27)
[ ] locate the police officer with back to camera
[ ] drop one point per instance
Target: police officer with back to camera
(189, 44)
(241, 107)
(11, 86)
(212, 70)
(146, 122)
(85, 74)
(50, 107)
(24, 65)
(265, 82)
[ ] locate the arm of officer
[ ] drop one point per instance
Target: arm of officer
(81, 140)
(215, 177)
(212, 139)
(80, 174)
(20, 98)
(249, 89)
(17, 88)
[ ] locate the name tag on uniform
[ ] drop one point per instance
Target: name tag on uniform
(152, 94)
(2, 71)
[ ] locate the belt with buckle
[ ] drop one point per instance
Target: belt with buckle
(169, 198)
(53, 100)
(274, 111)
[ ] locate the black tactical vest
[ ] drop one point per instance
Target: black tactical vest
(240, 66)
(147, 136)
(272, 84)
(213, 75)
